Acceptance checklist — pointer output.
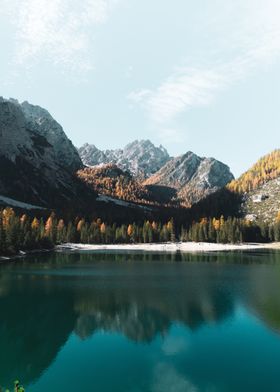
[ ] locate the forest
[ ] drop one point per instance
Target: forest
(24, 233)
(267, 168)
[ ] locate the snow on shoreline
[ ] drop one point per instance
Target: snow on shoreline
(167, 247)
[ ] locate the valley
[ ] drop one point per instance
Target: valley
(43, 175)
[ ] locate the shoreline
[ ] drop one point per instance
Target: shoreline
(185, 247)
(23, 254)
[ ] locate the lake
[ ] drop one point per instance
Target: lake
(136, 322)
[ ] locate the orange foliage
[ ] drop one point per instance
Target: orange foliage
(49, 225)
(266, 169)
(130, 230)
(35, 223)
(103, 228)
(7, 215)
(111, 181)
(80, 225)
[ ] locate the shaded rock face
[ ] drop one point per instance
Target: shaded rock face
(37, 160)
(140, 158)
(40, 121)
(192, 177)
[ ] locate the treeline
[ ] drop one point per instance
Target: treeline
(22, 233)
(25, 233)
(231, 230)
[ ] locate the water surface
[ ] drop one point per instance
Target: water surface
(141, 322)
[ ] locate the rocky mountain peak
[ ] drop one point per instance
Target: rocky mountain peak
(37, 160)
(40, 121)
(140, 157)
(192, 177)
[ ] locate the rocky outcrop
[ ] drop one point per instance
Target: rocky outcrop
(263, 203)
(37, 160)
(192, 177)
(140, 158)
(40, 121)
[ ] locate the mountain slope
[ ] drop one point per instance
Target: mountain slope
(192, 177)
(263, 203)
(265, 169)
(259, 188)
(37, 161)
(110, 180)
(38, 169)
(140, 158)
(40, 121)
(255, 195)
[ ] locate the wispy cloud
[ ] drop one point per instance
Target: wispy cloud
(256, 43)
(186, 87)
(57, 30)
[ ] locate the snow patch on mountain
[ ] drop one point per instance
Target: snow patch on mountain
(7, 201)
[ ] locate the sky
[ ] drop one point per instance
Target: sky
(199, 75)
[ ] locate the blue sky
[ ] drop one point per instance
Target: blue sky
(200, 75)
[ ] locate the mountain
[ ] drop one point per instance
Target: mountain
(262, 203)
(183, 180)
(40, 168)
(110, 180)
(191, 177)
(40, 121)
(37, 161)
(255, 195)
(140, 158)
(265, 169)
(260, 188)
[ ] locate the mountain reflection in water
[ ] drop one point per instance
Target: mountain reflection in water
(46, 298)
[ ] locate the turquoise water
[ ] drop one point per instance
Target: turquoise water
(141, 322)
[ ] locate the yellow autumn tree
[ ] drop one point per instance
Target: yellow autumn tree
(35, 224)
(267, 168)
(80, 225)
(23, 219)
(154, 226)
(49, 226)
(130, 230)
(103, 228)
(216, 224)
(7, 215)
(170, 225)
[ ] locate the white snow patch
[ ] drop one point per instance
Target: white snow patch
(16, 203)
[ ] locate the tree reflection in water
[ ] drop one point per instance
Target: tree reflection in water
(45, 298)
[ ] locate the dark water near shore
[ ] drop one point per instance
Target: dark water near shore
(141, 322)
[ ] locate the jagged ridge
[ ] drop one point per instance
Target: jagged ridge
(37, 160)
(192, 177)
(140, 158)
